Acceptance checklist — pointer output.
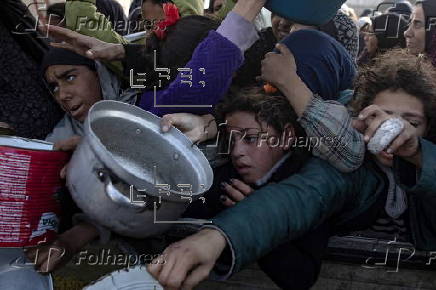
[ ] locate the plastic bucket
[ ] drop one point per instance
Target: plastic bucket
(29, 181)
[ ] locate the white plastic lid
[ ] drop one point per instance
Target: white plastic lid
(24, 143)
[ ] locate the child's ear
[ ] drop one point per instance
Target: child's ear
(289, 132)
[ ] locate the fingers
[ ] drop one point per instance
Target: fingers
(284, 50)
(179, 261)
(166, 273)
(373, 117)
(236, 191)
(90, 53)
(370, 111)
(68, 144)
(155, 267)
(4, 125)
(199, 274)
(398, 142)
(359, 125)
(184, 264)
(242, 187)
(406, 144)
(37, 256)
(373, 126)
(46, 258)
(64, 45)
(59, 33)
(53, 259)
(232, 192)
(31, 253)
(63, 173)
(166, 123)
(227, 201)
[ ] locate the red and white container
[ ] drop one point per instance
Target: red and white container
(29, 181)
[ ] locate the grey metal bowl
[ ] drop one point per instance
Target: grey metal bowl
(124, 152)
(128, 140)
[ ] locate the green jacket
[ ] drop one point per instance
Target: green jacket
(287, 210)
(79, 11)
(82, 16)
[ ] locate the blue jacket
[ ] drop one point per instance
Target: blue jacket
(287, 210)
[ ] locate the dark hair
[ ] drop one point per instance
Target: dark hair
(274, 110)
(389, 29)
(398, 70)
(183, 38)
(56, 9)
(159, 2)
(177, 48)
(114, 13)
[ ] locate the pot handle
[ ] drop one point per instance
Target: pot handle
(114, 194)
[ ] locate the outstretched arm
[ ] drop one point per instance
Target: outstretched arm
(263, 220)
(327, 123)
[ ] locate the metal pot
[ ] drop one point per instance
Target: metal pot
(128, 176)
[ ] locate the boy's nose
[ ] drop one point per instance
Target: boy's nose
(238, 149)
(64, 94)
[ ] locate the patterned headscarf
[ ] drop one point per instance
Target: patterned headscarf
(345, 31)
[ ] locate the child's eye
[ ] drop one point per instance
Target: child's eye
(250, 139)
(414, 124)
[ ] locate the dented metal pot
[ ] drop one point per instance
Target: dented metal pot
(129, 177)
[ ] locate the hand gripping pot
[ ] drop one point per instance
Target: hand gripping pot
(129, 177)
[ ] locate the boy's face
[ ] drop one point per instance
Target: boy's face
(251, 158)
(75, 87)
(408, 107)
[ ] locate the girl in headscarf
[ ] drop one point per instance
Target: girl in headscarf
(341, 27)
(420, 36)
(316, 74)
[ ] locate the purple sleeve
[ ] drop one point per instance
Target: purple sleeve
(219, 58)
(238, 30)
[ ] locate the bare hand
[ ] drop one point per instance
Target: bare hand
(67, 145)
(87, 46)
(189, 261)
(49, 257)
(196, 128)
(279, 69)
(248, 9)
(236, 191)
(406, 144)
